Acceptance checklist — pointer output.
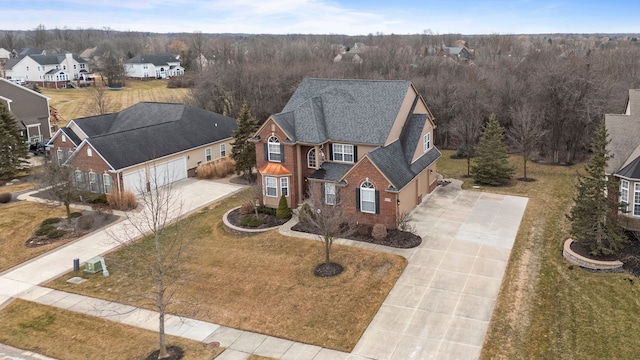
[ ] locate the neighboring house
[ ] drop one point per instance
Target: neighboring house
(4, 54)
(30, 109)
(51, 71)
(623, 131)
(349, 57)
(370, 142)
(159, 66)
(457, 52)
(141, 146)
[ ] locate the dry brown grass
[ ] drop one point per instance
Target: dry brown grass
(71, 336)
(73, 103)
(265, 283)
(217, 169)
(123, 200)
(18, 221)
(17, 187)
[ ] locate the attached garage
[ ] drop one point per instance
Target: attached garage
(167, 172)
(135, 181)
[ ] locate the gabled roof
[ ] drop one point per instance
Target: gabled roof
(155, 59)
(71, 136)
(631, 171)
(54, 59)
(148, 131)
(354, 111)
(400, 173)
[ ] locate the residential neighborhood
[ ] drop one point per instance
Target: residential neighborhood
(317, 195)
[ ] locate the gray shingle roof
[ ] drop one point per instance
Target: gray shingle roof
(53, 59)
(400, 173)
(331, 171)
(623, 131)
(146, 131)
(354, 111)
(71, 135)
(632, 170)
(155, 59)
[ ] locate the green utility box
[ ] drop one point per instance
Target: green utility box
(93, 265)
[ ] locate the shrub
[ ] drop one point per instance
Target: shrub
(251, 221)
(49, 221)
(247, 207)
(404, 223)
(102, 209)
(44, 230)
(216, 169)
(124, 200)
(55, 233)
(5, 198)
(266, 210)
(306, 213)
(100, 199)
(85, 222)
(379, 232)
(283, 212)
(362, 230)
(75, 214)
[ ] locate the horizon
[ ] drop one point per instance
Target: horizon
(325, 17)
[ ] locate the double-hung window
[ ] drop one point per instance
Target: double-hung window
(367, 197)
(284, 186)
(271, 186)
(343, 152)
(329, 194)
(636, 199)
(207, 154)
(426, 142)
(624, 195)
(93, 182)
(108, 183)
(273, 147)
(223, 150)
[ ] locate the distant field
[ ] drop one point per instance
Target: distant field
(75, 103)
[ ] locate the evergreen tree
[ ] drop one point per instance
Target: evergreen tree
(244, 152)
(13, 150)
(491, 164)
(35, 88)
(594, 216)
(283, 212)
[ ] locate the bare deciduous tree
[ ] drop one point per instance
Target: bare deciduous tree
(58, 178)
(158, 256)
(100, 101)
(525, 133)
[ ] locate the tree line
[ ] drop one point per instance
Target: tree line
(558, 86)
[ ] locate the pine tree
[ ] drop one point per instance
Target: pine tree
(491, 164)
(244, 152)
(594, 220)
(13, 151)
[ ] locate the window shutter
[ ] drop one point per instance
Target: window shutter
(266, 152)
(377, 202)
(330, 152)
(281, 153)
(322, 193)
(358, 199)
(355, 153)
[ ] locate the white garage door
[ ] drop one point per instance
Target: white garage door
(135, 181)
(168, 172)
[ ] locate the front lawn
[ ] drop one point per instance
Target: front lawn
(546, 308)
(264, 283)
(18, 221)
(71, 336)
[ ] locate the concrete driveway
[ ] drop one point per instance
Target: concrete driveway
(441, 305)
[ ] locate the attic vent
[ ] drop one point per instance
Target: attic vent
(216, 124)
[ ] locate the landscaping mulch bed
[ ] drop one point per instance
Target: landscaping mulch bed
(72, 230)
(234, 218)
(175, 353)
(629, 256)
(395, 238)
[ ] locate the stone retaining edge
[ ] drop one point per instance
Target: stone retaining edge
(232, 229)
(580, 260)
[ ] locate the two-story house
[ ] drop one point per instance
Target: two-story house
(160, 66)
(365, 143)
(30, 109)
(145, 145)
(51, 71)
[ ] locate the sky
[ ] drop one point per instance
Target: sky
(348, 17)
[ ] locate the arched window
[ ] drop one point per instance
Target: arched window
(368, 197)
(311, 159)
(273, 148)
